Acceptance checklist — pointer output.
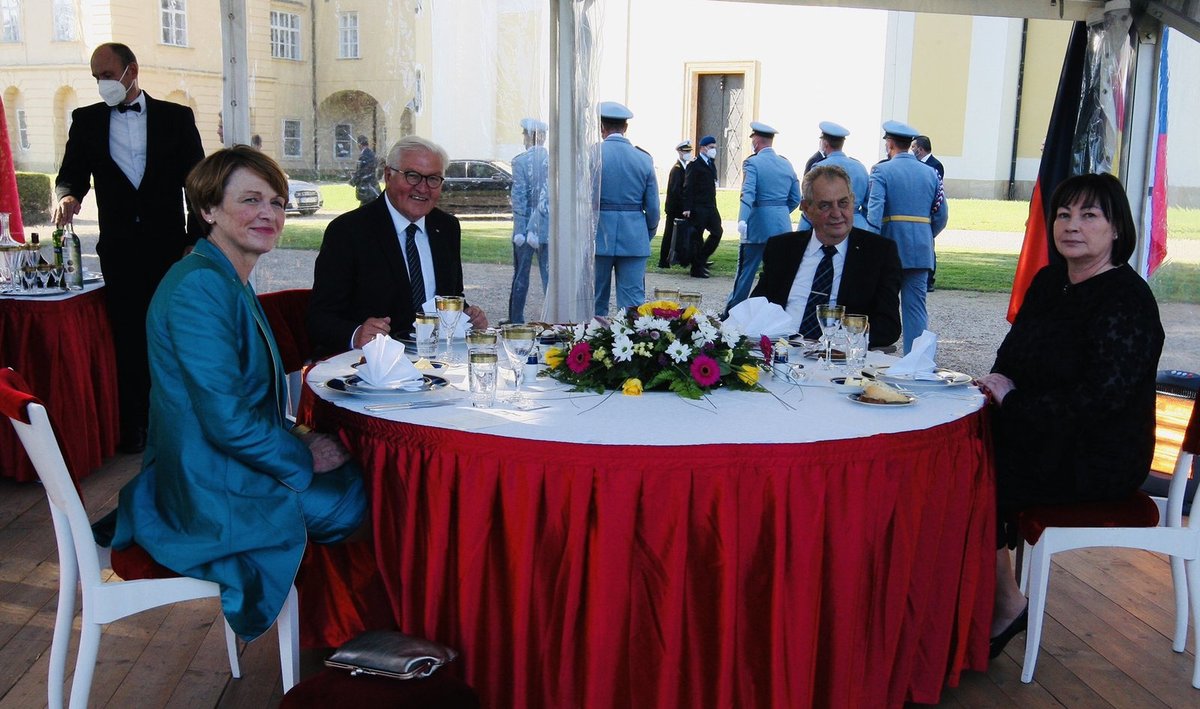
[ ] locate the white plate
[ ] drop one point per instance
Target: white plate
(352, 384)
(839, 357)
(857, 398)
(435, 365)
(840, 386)
(945, 378)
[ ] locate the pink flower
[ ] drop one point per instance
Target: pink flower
(579, 357)
(764, 344)
(667, 313)
(705, 371)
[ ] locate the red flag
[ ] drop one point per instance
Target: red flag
(10, 201)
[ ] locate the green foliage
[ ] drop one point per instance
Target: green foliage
(36, 195)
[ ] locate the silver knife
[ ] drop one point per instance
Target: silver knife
(408, 405)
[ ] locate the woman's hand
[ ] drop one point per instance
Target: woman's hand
(328, 452)
(995, 386)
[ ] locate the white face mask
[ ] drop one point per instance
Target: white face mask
(685, 157)
(112, 91)
(711, 153)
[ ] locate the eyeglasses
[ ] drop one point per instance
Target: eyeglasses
(414, 178)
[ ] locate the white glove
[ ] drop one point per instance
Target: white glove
(532, 241)
(742, 231)
(519, 239)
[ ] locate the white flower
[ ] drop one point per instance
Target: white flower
(705, 332)
(678, 352)
(620, 329)
(622, 348)
(594, 327)
(579, 331)
(730, 336)
(645, 322)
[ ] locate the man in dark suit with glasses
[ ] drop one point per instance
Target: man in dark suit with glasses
(379, 264)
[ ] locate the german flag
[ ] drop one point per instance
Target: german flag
(1055, 167)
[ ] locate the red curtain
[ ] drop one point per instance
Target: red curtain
(10, 201)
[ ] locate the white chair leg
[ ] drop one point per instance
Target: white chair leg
(85, 664)
(1179, 581)
(68, 582)
(1023, 552)
(1192, 567)
(1039, 577)
(231, 649)
(288, 629)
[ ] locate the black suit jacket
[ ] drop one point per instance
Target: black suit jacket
(936, 165)
(813, 160)
(155, 208)
(870, 278)
(674, 202)
(700, 186)
(361, 273)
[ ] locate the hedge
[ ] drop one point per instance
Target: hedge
(34, 189)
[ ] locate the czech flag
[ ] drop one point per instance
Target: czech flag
(1055, 167)
(1155, 224)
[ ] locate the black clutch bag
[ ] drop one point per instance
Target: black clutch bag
(390, 653)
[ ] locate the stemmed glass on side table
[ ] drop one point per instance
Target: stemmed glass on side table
(856, 328)
(518, 343)
(450, 310)
(829, 317)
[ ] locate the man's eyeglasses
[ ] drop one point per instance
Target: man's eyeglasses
(414, 178)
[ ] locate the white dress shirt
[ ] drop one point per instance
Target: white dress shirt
(798, 295)
(127, 140)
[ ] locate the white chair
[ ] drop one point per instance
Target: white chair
(1170, 537)
(81, 560)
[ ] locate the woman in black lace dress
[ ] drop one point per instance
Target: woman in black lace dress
(1073, 382)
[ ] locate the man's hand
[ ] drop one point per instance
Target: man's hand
(532, 241)
(742, 232)
(478, 320)
(519, 239)
(995, 386)
(328, 452)
(65, 210)
(369, 329)
(687, 214)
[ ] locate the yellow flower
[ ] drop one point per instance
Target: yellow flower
(649, 308)
(748, 374)
(632, 387)
(690, 313)
(554, 357)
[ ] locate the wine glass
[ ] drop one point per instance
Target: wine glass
(518, 343)
(450, 310)
(856, 328)
(829, 317)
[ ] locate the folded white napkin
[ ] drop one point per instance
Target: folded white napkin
(756, 317)
(386, 365)
(464, 322)
(919, 362)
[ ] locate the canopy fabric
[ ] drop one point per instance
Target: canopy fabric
(10, 201)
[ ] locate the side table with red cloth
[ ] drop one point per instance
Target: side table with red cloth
(63, 347)
(829, 573)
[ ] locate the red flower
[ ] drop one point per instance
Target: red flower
(764, 344)
(667, 313)
(705, 371)
(579, 357)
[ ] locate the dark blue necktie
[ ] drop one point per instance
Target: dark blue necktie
(818, 295)
(415, 280)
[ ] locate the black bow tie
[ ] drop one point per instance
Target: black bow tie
(135, 107)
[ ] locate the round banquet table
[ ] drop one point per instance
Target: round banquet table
(62, 345)
(785, 549)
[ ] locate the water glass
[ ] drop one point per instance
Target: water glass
(450, 310)
(671, 294)
(426, 335)
(829, 317)
(518, 343)
(481, 376)
(687, 299)
(481, 341)
(857, 329)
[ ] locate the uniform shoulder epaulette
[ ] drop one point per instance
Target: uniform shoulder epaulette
(643, 150)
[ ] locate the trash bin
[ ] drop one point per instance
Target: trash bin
(1176, 395)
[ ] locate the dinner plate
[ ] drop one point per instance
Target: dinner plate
(839, 384)
(435, 365)
(353, 384)
(818, 355)
(945, 378)
(802, 343)
(857, 398)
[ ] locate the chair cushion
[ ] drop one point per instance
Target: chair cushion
(1138, 510)
(287, 311)
(134, 562)
(331, 688)
(15, 396)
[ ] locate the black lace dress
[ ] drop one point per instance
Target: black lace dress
(1080, 423)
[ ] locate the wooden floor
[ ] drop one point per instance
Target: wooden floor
(1106, 640)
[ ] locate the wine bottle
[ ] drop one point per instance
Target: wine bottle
(73, 266)
(56, 237)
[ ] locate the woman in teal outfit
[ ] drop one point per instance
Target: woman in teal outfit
(227, 491)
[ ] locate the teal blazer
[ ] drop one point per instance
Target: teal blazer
(218, 494)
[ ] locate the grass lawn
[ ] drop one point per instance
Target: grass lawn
(488, 242)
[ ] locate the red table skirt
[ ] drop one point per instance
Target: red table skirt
(64, 349)
(839, 574)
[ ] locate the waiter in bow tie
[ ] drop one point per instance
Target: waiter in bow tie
(137, 151)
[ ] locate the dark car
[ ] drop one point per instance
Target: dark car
(477, 187)
(303, 197)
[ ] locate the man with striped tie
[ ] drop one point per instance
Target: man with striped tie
(833, 262)
(379, 264)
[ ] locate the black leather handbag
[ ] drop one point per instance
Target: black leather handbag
(390, 653)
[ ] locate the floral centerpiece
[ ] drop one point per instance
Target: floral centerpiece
(659, 345)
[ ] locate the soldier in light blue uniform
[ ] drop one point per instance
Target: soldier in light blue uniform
(833, 138)
(628, 201)
(531, 215)
(906, 204)
(770, 193)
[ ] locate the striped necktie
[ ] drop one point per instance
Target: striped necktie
(415, 280)
(818, 295)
